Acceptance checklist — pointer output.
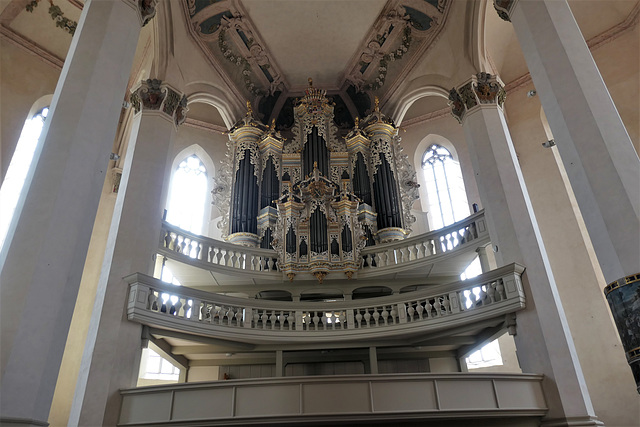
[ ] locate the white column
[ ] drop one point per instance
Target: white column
(543, 338)
(596, 150)
(113, 347)
(43, 256)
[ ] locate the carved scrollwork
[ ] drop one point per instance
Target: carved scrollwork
(409, 186)
(222, 190)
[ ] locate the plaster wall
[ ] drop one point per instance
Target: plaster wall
(23, 79)
(579, 280)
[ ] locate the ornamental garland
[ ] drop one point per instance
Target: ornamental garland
(57, 15)
(240, 62)
(390, 57)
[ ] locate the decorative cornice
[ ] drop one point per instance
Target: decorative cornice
(146, 10)
(154, 95)
(504, 8)
(482, 89)
(31, 47)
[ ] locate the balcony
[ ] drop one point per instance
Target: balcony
(498, 399)
(462, 305)
(442, 253)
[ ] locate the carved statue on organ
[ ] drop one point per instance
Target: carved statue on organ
(317, 200)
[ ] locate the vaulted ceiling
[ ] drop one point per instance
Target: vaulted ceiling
(265, 50)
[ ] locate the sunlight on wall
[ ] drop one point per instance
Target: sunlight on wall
(18, 169)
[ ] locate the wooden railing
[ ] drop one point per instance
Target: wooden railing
(469, 398)
(163, 305)
(470, 232)
(216, 255)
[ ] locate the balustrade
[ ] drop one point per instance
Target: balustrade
(221, 256)
(210, 253)
(161, 304)
(445, 240)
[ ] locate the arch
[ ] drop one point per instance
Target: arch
(200, 153)
(211, 95)
(476, 39)
(407, 100)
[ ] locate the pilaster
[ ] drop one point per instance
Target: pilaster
(113, 348)
(543, 338)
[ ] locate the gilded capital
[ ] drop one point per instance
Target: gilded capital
(154, 95)
(504, 8)
(483, 88)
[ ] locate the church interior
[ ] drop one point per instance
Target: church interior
(320, 212)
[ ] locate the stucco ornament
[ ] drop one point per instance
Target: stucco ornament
(481, 89)
(154, 95)
(146, 10)
(504, 8)
(408, 183)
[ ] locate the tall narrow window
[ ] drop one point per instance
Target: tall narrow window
(188, 195)
(445, 187)
(18, 169)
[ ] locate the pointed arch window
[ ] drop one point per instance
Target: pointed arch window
(18, 169)
(445, 187)
(188, 195)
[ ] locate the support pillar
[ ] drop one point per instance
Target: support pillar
(279, 364)
(543, 338)
(598, 155)
(113, 347)
(42, 259)
(373, 360)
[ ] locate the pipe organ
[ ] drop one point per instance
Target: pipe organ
(317, 199)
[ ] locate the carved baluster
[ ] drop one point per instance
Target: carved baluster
(420, 310)
(394, 314)
(219, 256)
(491, 293)
(446, 305)
(385, 315)
(428, 308)
(410, 312)
(438, 306)
(152, 300)
(376, 316)
(430, 247)
(500, 289)
(167, 239)
(359, 319)
(367, 317)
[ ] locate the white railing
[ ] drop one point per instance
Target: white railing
(214, 254)
(513, 399)
(163, 305)
(472, 231)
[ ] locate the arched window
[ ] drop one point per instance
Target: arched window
(445, 187)
(18, 169)
(188, 195)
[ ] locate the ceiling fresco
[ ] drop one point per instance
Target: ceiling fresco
(267, 49)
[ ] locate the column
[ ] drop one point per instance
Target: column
(42, 259)
(543, 338)
(113, 347)
(601, 162)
